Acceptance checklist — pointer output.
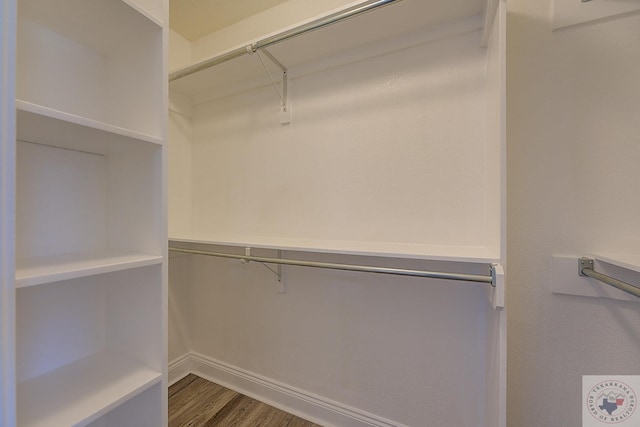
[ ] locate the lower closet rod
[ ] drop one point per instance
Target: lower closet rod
(348, 267)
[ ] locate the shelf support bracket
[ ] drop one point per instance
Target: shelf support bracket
(283, 92)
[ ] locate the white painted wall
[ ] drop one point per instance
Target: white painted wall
(400, 348)
(349, 160)
(573, 155)
(179, 135)
(179, 51)
(179, 165)
(180, 306)
(179, 209)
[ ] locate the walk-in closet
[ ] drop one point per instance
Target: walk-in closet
(304, 213)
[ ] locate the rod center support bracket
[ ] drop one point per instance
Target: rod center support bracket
(278, 271)
(283, 89)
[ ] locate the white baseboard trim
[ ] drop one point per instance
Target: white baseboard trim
(179, 368)
(309, 406)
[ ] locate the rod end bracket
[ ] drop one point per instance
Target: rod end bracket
(584, 262)
(498, 286)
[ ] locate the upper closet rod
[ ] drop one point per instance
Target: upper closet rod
(585, 268)
(286, 35)
(349, 267)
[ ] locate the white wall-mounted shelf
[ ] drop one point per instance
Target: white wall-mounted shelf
(624, 267)
(81, 392)
(375, 249)
(373, 33)
(567, 13)
(627, 261)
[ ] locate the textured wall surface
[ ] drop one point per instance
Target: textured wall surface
(573, 151)
(393, 155)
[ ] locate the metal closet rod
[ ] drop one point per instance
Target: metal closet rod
(286, 35)
(348, 267)
(585, 268)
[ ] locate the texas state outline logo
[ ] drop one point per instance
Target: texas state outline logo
(610, 400)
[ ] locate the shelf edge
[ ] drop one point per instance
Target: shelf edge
(628, 262)
(87, 267)
(52, 113)
(489, 256)
(144, 12)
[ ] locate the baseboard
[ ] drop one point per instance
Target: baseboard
(301, 403)
(179, 368)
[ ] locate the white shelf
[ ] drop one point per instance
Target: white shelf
(377, 249)
(84, 190)
(375, 30)
(566, 280)
(100, 24)
(41, 270)
(48, 126)
(102, 61)
(82, 391)
(626, 261)
(151, 9)
(567, 12)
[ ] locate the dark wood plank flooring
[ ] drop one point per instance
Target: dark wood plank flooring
(196, 402)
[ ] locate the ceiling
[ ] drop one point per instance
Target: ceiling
(194, 19)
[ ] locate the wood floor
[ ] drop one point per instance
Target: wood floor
(196, 402)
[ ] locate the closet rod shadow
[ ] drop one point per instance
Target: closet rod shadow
(348, 267)
(278, 38)
(585, 268)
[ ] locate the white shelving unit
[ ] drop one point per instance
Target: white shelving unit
(90, 253)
